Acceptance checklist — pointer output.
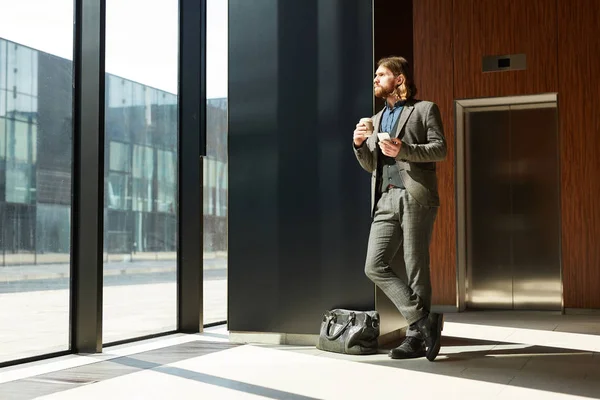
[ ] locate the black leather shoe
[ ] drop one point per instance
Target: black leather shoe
(431, 329)
(411, 347)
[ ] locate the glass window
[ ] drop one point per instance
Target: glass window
(18, 183)
(119, 157)
(3, 65)
(215, 165)
(138, 95)
(118, 191)
(166, 169)
(24, 64)
(140, 224)
(143, 174)
(35, 186)
(21, 81)
(126, 94)
(3, 123)
(221, 189)
(20, 168)
(19, 141)
(33, 142)
(3, 101)
(114, 92)
(53, 230)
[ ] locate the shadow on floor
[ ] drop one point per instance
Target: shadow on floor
(542, 368)
(210, 379)
(155, 360)
(54, 382)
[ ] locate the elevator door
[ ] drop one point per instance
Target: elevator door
(512, 207)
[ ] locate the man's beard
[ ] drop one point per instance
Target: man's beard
(383, 93)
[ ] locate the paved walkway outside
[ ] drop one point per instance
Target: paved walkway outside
(118, 266)
(139, 299)
(9, 259)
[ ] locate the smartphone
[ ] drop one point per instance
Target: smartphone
(384, 136)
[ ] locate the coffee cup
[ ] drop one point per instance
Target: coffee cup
(368, 122)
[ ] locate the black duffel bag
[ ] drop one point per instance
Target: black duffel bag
(349, 332)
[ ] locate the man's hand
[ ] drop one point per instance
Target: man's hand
(390, 148)
(360, 134)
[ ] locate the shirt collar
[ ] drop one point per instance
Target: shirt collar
(399, 103)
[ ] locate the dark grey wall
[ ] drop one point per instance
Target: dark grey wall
(300, 77)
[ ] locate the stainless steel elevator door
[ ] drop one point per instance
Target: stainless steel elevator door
(512, 207)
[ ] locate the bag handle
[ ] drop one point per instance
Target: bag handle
(336, 335)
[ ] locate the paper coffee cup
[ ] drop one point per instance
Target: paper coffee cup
(368, 122)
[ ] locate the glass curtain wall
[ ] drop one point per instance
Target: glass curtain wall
(35, 177)
(140, 203)
(140, 172)
(215, 165)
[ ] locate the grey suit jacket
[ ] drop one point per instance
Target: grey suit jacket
(422, 134)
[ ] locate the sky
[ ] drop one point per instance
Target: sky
(141, 37)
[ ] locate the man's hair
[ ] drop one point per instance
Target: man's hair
(399, 66)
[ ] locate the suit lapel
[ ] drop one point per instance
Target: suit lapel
(376, 120)
(406, 111)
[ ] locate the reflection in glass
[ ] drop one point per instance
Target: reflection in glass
(143, 172)
(35, 191)
(166, 170)
(140, 216)
(21, 141)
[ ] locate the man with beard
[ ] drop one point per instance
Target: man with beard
(404, 201)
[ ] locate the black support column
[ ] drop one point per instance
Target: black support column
(192, 147)
(300, 77)
(88, 177)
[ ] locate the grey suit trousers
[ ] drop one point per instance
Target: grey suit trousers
(401, 223)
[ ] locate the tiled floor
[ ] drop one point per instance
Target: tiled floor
(492, 355)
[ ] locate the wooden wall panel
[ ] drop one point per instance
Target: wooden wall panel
(432, 27)
(498, 27)
(562, 41)
(579, 105)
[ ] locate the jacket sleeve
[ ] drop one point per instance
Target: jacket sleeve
(434, 149)
(366, 157)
